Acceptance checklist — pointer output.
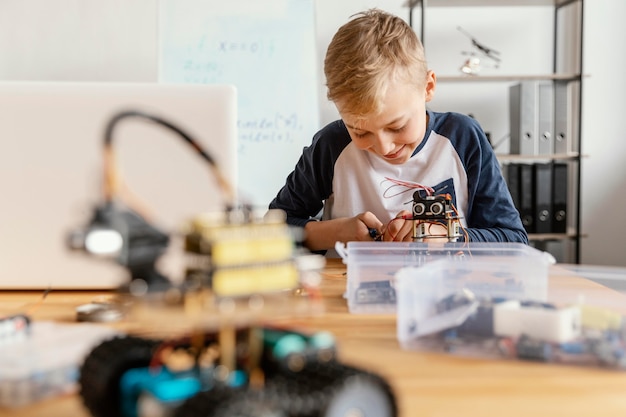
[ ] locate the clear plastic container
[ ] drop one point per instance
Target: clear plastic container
(46, 361)
(575, 315)
(371, 266)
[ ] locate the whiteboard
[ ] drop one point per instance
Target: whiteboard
(267, 50)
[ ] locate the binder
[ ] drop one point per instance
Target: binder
(566, 98)
(522, 118)
(526, 192)
(559, 197)
(532, 118)
(545, 118)
(512, 178)
(543, 198)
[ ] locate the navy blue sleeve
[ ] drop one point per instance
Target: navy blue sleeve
(492, 216)
(310, 183)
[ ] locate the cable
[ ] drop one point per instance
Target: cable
(110, 180)
(408, 186)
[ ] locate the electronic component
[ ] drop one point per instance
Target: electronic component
(14, 328)
(123, 235)
(513, 318)
(534, 349)
(434, 209)
(376, 292)
(237, 253)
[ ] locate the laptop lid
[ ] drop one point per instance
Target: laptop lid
(51, 162)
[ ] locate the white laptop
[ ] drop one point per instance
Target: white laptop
(51, 141)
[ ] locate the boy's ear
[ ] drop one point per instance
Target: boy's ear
(431, 84)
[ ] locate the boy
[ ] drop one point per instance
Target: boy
(362, 170)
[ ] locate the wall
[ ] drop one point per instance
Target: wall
(78, 40)
(604, 137)
(116, 40)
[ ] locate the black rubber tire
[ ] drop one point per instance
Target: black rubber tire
(102, 369)
(229, 402)
(205, 403)
(331, 390)
(249, 403)
(319, 390)
(361, 394)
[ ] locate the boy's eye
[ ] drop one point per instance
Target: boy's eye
(397, 129)
(360, 134)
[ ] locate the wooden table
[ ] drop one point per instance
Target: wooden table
(426, 384)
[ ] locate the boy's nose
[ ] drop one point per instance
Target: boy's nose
(382, 143)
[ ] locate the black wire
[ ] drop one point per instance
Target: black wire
(108, 136)
(108, 140)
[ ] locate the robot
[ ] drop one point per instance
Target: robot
(430, 209)
(219, 357)
(250, 371)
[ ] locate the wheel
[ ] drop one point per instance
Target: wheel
(331, 389)
(102, 369)
(319, 390)
(361, 395)
(249, 403)
(229, 402)
(204, 403)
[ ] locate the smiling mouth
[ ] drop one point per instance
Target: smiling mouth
(395, 154)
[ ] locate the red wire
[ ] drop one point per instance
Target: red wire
(409, 185)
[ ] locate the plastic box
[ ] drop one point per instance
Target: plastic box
(371, 267)
(46, 362)
(466, 308)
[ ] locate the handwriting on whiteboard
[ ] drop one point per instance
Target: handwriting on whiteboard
(267, 51)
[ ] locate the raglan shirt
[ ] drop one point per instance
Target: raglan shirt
(335, 178)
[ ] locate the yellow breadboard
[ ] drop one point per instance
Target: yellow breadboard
(233, 282)
(600, 318)
(246, 251)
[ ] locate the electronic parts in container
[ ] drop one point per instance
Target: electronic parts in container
(537, 331)
(371, 269)
(45, 362)
(439, 309)
(376, 292)
(14, 328)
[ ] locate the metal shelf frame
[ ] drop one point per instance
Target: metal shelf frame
(575, 76)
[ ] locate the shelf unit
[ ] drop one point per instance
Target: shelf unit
(505, 78)
(567, 68)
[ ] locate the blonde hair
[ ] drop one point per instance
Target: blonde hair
(368, 52)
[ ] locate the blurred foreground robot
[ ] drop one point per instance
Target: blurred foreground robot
(241, 269)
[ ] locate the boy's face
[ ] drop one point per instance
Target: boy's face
(398, 130)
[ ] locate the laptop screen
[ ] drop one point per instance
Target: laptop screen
(51, 165)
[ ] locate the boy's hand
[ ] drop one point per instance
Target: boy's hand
(400, 229)
(322, 235)
(367, 227)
